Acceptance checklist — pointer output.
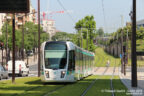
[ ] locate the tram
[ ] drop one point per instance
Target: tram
(63, 61)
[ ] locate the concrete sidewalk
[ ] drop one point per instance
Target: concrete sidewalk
(108, 71)
(126, 80)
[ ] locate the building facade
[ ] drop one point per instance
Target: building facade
(140, 23)
(2, 16)
(20, 18)
(23, 18)
(49, 27)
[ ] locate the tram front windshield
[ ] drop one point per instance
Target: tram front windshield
(55, 56)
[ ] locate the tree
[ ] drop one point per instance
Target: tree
(86, 25)
(100, 32)
(30, 36)
(62, 36)
(140, 33)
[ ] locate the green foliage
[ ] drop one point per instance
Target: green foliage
(85, 26)
(140, 33)
(63, 36)
(30, 36)
(125, 32)
(100, 32)
(3, 36)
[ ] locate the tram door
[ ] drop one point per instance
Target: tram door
(71, 66)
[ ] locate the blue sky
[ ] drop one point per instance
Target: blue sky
(114, 9)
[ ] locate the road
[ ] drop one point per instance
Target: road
(32, 71)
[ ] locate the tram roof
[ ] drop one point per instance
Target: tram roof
(81, 50)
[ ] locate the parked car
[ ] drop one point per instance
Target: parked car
(21, 69)
(3, 73)
(30, 53)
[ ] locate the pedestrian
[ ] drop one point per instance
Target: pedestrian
(108, 63)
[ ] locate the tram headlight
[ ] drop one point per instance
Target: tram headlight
(63, 74)
(47, 74)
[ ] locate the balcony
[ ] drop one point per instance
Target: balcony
(19, 23)
(8, 17)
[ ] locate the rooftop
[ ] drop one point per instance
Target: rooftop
(140, 22)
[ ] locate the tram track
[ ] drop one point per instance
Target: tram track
(54, 90)
(93, 82)
(30, 89)
(112, 87)
(37, 87)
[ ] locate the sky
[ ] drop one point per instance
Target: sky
(110, 19)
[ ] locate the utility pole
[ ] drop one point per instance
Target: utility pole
(87, 39)
(34, 46)
(13, 60)
(117, 44)
(6, 40)
(122, 59)
(2, 46)
(81, 39)
(127, 47)
(39, 38)
(122, 51)
(133, 48)
(22, 39)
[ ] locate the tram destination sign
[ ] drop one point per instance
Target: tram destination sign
(14, 6)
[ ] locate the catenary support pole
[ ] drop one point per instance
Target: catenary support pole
(39, 38)
(6, 40)
(13, 53)
(133, 57)
(22, 39)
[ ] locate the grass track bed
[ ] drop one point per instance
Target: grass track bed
(102, 57)
(32, 86)
(102, 86)
(98, 89)
(75, 89)
(29, 86)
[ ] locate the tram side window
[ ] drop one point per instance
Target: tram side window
(71, 65)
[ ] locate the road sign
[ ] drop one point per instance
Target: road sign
(121, 56)
(14, 6)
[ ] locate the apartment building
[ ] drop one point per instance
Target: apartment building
(49, 27)
(20, 18)
(2, 16)
(23, 18)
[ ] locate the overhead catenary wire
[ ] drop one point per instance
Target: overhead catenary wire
(105, 24)
(65, 10)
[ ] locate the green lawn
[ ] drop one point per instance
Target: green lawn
(32, 86)
(98, 89)
(118, 86)
(102, 87)
(101, 58)
(28, 86)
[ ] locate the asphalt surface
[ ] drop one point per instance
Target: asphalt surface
(32, 72)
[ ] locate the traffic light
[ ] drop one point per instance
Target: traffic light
(1, 45)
